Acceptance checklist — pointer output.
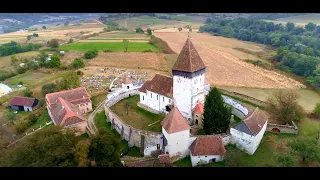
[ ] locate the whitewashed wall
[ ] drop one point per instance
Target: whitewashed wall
(156, 101)
(204, 159)
(177, 142)
(125, 86)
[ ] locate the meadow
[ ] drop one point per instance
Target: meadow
(113, 46)
(300, 20)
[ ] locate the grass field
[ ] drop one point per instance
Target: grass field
(137, 117)
(5, 61)
(308, 98)
(113, 46)
(96, 100)
(300, 20)
(101, 123)
(224, 63)
(120, 35)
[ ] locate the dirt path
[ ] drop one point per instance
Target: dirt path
(225, 69)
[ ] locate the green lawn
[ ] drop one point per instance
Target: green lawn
(96, 100)
(113, 46)
(137, 117)
(101, 123)
(185, 162)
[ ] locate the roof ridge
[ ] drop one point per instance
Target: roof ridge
(245, 120)
(67, 90)
(190, 53)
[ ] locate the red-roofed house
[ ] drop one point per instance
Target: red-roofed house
(67, 108)
(198, 115)
(207, 149)
(127, 83)
(24, 103)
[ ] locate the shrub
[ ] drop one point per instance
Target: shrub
(91, 54)
(78, 63)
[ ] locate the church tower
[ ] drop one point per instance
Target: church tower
(188, 80)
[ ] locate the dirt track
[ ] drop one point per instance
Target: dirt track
(225, 69)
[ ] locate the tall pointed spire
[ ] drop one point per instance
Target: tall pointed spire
(188, 60)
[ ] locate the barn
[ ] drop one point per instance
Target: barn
(24, 103)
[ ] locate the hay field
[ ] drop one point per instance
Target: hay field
(64, 33)
(120, 35)
(308, 99)
(224, 64)
(300, 20)
(5, 61)
(113, 46)
(135, 60)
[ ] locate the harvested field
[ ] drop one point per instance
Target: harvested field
(113, 46)
(135, 60)
(225, 68)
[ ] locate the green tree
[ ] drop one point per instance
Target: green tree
(139, 30)
(29, 37)
(81, 152)
(287, 160)
(21, 70)
(311, 26)
(54, 62)
(283, 106)
(69, 81)
(125, 45)
(306, 148)
(28, 93)
(316, 110)
(44, 27)
(104, 150)
(180, 29)
(35, 35)
(14, 60)
(290, 26)
(49, 88)
(149, 31)
(43, 56)
(216, 116)
(78, 63)
(50, 147)
(91, 54)
(54, 43)
(70, 41)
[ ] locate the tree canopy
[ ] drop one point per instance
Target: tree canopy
(69, 81)
(78, 63)
(306, 148)
(91, 54)
(54, 43)
(217, 115)
(14, 48)
(49, 88)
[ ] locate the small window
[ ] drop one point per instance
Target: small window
(157, 97)
(163, 99)
(169, 100)
(205, 156)
(87, 109)
(196, 115)
(142, 97)
(151, 95)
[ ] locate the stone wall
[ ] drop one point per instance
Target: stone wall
(130, 134)
(287, 129)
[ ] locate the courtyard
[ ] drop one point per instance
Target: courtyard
(128, 110)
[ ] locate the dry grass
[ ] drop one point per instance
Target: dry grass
(70, 56)
(224, 67)
(135, 60)
(120, 35)
(5, 61)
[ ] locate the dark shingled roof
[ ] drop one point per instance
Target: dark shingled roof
(207, 145)
(22, 101)
(174, 122)
(75, 96)
(253, 123)
(159, 84)
(188, 60)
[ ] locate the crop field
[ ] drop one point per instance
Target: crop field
(154, 23)
(224, 64)
(113, 46)
(63, 33)
(134, 60)
(308, 99)
(300, 20)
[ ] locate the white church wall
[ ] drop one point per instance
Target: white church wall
(127, 86)
(143, 98)
(156, 101)
(177, 142)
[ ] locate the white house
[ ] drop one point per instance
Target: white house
(207, 149)
(127, 83)
(176, 134)
(157, 93)
(248, 133)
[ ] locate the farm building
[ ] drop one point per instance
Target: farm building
(24, 103)
(127, 83)
(67, 108)
(207, 149)
(4, 89)
(248, 133)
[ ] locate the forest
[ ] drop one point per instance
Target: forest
(14, 48)
(298, 48)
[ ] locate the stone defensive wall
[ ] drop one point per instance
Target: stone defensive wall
(135, 137)
(286, 129)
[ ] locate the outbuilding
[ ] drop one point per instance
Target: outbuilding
(24, 103)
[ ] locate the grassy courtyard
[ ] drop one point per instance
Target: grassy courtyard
(113, 46)
(137, 117)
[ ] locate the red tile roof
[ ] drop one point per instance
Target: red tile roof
(255, 121)
(188, 60)
(22, 101)
(127, 80)
(75, 96)
(160, 84)
(65, 113)
(207, 145)
(199, 108)
(174, 122)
